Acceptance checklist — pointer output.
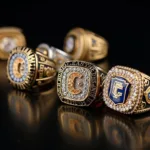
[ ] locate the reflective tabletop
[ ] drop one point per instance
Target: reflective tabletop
(32, 120)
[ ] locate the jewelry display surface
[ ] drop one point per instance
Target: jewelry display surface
(41, 116)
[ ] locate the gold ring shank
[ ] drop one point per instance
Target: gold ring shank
(85, 45)
(28, 69)
(98, 49)
(46, 70)
(145, 103)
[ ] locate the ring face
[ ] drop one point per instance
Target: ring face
(123, 89)
(70, 44)
(74, 44)
(21, 67)
(8, 43)
(10, 38)
(85, 45)
(77, 83)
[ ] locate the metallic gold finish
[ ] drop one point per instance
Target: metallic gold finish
(57, 55)
(27, 69)
(79, 83)
(132, 93)
(31, 109)
(71, 79)
(79, 126)
(85, 45)
(10, 37)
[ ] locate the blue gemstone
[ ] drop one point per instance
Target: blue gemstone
(148, 95)
(119, 90)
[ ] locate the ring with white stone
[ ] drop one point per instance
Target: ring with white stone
(28, 69)
(10, 37)
(57, 55)
(127, 90)
(79, 83)
(85, 45)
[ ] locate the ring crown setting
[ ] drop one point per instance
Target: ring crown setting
(123, 89)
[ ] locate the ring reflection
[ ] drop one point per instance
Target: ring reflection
(31, 109)
(78, 126)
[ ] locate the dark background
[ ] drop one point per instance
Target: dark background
(126, 26)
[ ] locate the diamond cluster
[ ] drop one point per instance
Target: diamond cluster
(135, 93)
(77, 83)
(85, 81)
(14, 67)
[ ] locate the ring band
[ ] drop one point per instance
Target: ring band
(57, 55)
(79, 83)
(85, 45)
(27, 69)
(127, 90)
(10, 37)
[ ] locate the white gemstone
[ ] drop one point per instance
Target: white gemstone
(10, 68)
(129, 102)
(13, 57)
(70, 44)
(131, 76)
(65, 93)
(78, 69)
(12, 76)
(63, 85)
(7, 44)
(11, 72)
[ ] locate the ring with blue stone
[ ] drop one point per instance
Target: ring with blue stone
(27, 68)
(127, 90)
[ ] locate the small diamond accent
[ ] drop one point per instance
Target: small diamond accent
(18, 67)
(71, 84)
(70, 44)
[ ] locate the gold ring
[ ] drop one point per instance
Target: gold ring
(127, 90)
(10, 37)
(79, 83)
(27, 69)
(57, 55)
(85, 45)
